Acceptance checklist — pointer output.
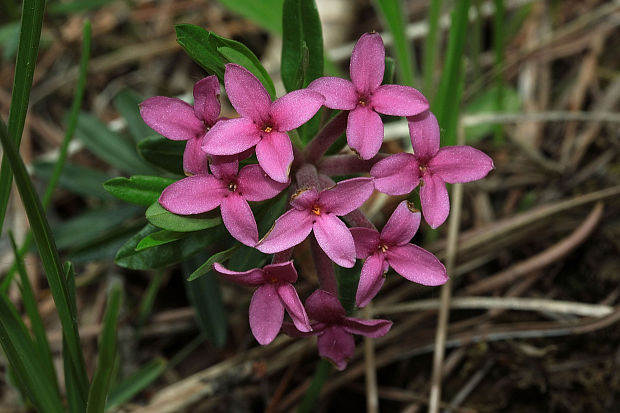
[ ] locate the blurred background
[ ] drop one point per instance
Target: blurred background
(538, 239)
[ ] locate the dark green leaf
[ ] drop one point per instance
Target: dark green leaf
(267, 13)
(77, 179)
(311, 397)
(75, 400)
(148, 298)
(163, 153)
(106, 246)
(220, 257)
(135, 383)
(388, 75)
(76, 6)
(160, 238)
(348, 279)
(393, 14)
(127, 103)
(138, 189)
(160, 217)
(195, 41)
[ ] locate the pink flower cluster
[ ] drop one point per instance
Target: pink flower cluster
(215, 146)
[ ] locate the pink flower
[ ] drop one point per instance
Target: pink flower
(365, 98)
(318, 212)
(179, 121)
(262, 123)
(334, 329)
(431, 167)
(392, 248)
(228, 189)
(274, 294)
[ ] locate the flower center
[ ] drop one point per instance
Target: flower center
(316, 210)
(422, 169)
(273, 280)
(362, 101)
(267, 128)
(232, 187)
(382, 247)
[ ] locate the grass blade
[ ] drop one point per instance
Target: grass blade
(135, 383)
(431, 46)
(308, 403)
(267, 13)
(76, 402)
(498, 46)
(30, 34)
(394, 14)
(127, 103)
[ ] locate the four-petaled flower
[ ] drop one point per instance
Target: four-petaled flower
(228, 188)
(319, 211)
(262, 123)
(365, 97)
(334, 329)
(275, 293)
(391, 248)
(431, 167)
(179, 121)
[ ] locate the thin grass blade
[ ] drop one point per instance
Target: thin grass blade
(394, 15)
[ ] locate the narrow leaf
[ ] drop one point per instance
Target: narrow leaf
(266, 13)
(205, 268)
(164, 219)
(127, 103)
(163, 153)
(135, 383)
(159, 238)
(77, 179)
(393, 14)
(138, 189)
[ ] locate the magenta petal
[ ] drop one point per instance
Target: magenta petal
(434, 199)
(402, 225)
(283, 272)
(304, 199)
(368, 63)
(371, 279)
(251, 277)
(289, 230)
(397, 174)
(364, 132)
(398, 100)
(171, 118)
(230, 137)
(335, 344)
(346, 196)
(275, 155)
(296, 108)
(324, 306)
(254, 185)
(291, 330)
(224, 166)
(335, 239)
(246, 93)
(194, 158)
(339, 93)
(206, 99)
(366, 241)
(455, 164)
(424, 133)
(368, 328)
(193, 195)
(293, 306)
(266, 314)
(239, 219)
(417, 265)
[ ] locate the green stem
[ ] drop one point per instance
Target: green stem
(312, 394)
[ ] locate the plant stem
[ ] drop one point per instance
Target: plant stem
(326, 137)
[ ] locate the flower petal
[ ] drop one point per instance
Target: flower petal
(239, 219)
(206, 100)
(364, 131)
(194, 158)
(284, 272)
(417, 265)
(455, 164)
(397, 174)
(402, 225)
(368, 328)
(275, 155)
(346, 196)
(398, 100)
(324, 306)
(366, 241)
(371, 279)
(193, 195)
(254, 184)
(335, 344)
(230, 137)
(251, 277)
(304, 199)
(434, 199)
(367, 63)
(339, 93)
(171, 118)
(266, 314)
(246, 93)
(294, 109)
(291, 330)
(293, 306)
(289, 230)
(335, 239)
(224, 167)
(424, 133)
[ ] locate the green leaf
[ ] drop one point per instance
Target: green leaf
(266, 13)
(135, 383)
(431, 44)
(163, 255)
(163, 153)
(160, 238)
(205, 295)
(148, 298)
(76, 6)
(348, 279)
(301, 33)
(388, 74)
(164, 219)
(311, 397)
(128, 105)
(105, 247)
(109, 146)
(138, 189)
(77, 179)
(220, 257)
(75, 400)
(107, 354)
(30, 34)
(393, 14)
(486, 102)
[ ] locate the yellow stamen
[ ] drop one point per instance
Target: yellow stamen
(316, 210)
(267, 129)
(383, 247)
(232, 187)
